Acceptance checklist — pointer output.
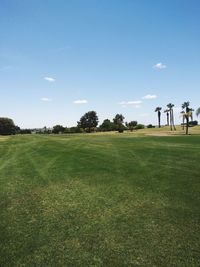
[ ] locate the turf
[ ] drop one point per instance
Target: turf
(100, 200)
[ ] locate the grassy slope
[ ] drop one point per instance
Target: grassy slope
(100, 200)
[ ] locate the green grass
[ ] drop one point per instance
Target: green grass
(100, 200)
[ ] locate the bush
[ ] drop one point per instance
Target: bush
(150, 126)
(25, 131)
(193, 123)
(74, 129)
(139, 126)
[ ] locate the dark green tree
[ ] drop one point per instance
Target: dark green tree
(107, 125)
(158, 110)
(118, 122)
(7, 126)
(58, 129)
(131, 125)
(88, 121)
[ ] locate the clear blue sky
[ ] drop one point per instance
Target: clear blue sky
(60, 59)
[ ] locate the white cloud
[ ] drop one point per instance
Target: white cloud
(49, 79)
(45, 99)
(149, 97)
(160, 66)
(80, 101)
(137, 102)
(134, 104)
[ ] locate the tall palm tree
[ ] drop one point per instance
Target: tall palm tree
(185, 106)
(158, 109)
(171, 113)
(198, 112)
(167, 113)
(187, 114)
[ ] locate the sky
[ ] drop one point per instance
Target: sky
(60, 59)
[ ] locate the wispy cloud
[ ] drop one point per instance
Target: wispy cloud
(49, 79)
(46, 99)
(135, 104)
(149, 97)
(159, 66)
(81, 101)
(131, 102)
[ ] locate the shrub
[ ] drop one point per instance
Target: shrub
(139, 126)
(150, 126)
(193, 123)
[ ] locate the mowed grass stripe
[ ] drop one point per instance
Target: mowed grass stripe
(99, 200)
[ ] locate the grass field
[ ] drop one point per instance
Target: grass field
(100, 200)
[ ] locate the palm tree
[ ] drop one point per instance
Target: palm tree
(185, 106)
(198, 112)
(167, 113)
(158, 109)
(171, 113)
(187, 114)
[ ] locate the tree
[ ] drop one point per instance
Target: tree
(187, 114)
(131, 125)
(158, 109)
(58, 129)
(7, 126)
(118, 122)
(171, 116)
(107, 125)
(185, 106)
(88, 121)
(167, 113)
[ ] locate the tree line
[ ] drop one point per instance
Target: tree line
(89, 123)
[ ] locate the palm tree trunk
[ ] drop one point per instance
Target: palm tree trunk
(183, 122)
(170, 119)
(167, 119)
(159, 114)
(187, 125)
(173, 120)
